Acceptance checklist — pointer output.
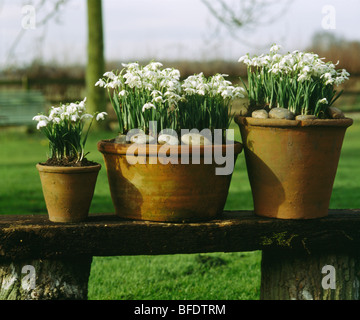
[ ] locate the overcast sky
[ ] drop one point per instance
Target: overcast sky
(168, 29)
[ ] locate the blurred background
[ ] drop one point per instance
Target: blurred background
(44, 44)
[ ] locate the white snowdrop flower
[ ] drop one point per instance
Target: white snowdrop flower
(64, 115)
(203, 88)
(154, 65)
(327, 76)
(54, 112)
(239, 92)
(150, 74)
(175, 74)
(86, 116)
(309, 58)
(41, 124)
(82, 103)
(148, 86)
(158, 99)
(131, 66)
(265, 61)
(101, 116)
(116, 83)
(306, 69)
(134, 81)
(156, 93)
(323, 101)
(110, 75)
(110, 85)
(123, 93)
(221, 77)
(40, 117)
(245, 60)
(344, 73)
(275, 48)
(339, 80)
(275, 68)
(101, 83)
(330, 81)
(148, 106)
(72, 108)
(171, 84)
(74, 117)
(256, 62)
(172, 97)
(56, 120)
(228, 93)
(190, 91)
(302, 77)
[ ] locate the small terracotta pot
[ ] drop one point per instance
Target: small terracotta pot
(292, 164)
(154, 191)
(68, 191)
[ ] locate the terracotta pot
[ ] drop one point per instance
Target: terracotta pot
(292, 164)
(152, 190)
(68, 191)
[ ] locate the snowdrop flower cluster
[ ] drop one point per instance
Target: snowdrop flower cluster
(300, 65)
(216, 85)
(206, 102)
(63, 126)
(140, 94)
(163, 85)
(299, 81)
(71, 113)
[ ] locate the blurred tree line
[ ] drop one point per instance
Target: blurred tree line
(336, 48)
(233, 15)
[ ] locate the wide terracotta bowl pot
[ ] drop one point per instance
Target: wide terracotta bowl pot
(68, 191)
(158, 186)
(292, 164)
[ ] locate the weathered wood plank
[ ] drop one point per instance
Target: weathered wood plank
(34, 236)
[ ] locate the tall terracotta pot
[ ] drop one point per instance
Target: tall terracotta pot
(68, 191)
(292, 164)
(144, 187)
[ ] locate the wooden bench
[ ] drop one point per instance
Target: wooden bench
(18, 107)
(293, 252)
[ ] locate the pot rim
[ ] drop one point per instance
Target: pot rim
(108, 146)
(68, 170)
(249, 121)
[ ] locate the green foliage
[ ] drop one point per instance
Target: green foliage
(206, 102)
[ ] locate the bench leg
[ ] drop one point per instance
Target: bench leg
(289, 275)
(48, 279)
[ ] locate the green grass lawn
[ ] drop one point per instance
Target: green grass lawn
(194, 276)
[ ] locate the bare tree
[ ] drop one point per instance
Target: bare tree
(248, 15)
